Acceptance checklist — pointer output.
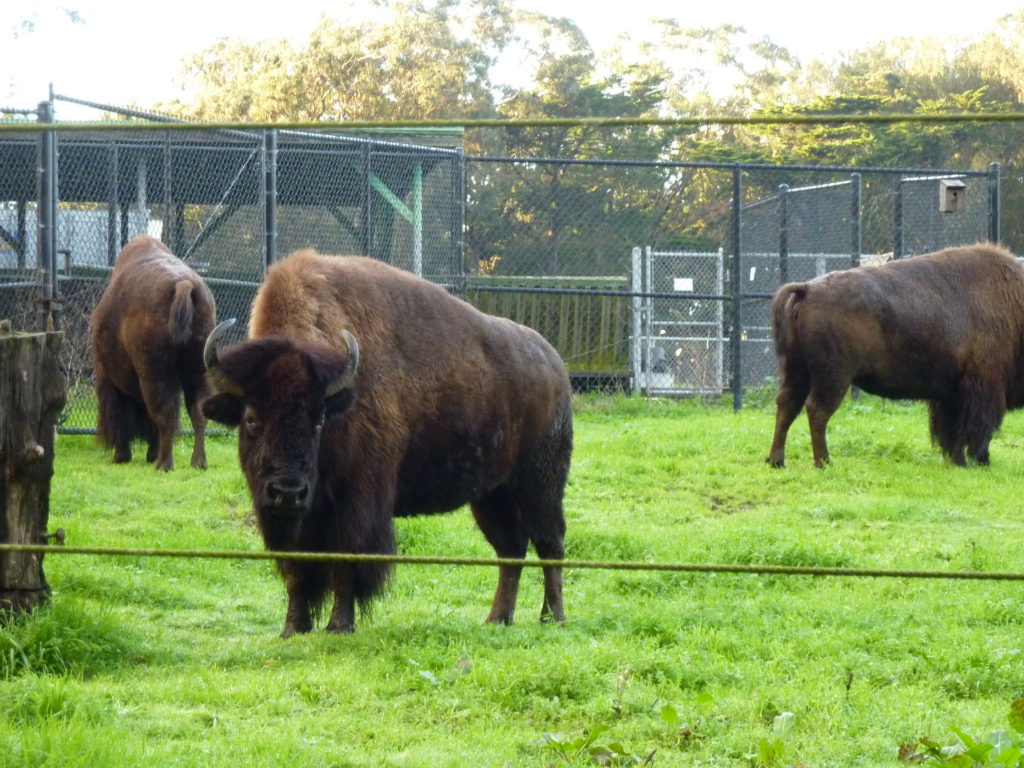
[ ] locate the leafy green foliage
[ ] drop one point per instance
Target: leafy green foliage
(997, 750)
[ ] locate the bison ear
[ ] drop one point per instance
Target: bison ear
(224, 408)
(340, 401)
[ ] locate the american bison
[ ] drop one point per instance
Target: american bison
(946, 327)
(364, 393)
(147, 334)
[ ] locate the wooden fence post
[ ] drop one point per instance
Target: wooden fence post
(33, 390)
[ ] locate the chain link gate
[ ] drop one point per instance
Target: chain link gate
(678, 315)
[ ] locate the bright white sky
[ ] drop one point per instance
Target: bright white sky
(131, 51)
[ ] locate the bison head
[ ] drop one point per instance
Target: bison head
(279, 392)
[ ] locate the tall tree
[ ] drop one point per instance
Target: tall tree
(423, 62)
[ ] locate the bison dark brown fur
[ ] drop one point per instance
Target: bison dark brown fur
(147, 336)
(446, 406)
(946, 327)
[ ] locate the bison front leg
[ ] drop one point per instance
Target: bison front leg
(299, 617)
(343, 614)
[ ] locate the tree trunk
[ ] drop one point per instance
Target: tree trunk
(33, 391)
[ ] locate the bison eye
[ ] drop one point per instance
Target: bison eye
(252, 423)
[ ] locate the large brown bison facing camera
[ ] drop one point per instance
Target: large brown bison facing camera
(147, 334)
(946, 327)
(364, 393)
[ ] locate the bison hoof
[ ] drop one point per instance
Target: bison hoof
(291, 629)
(339, 629)
(775, 463)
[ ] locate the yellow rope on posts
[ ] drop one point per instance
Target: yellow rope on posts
(611, 565)
(551, 122)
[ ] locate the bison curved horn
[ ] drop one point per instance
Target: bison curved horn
(345, 380)
(210, 348)
(211, 362)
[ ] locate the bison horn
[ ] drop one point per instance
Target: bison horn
(210, 349)
(346, 378)
(213, 365)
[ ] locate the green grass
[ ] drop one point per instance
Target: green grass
(152, 661)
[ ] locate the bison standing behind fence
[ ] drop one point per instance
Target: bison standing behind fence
(365, 393)
(147, 336)
(946, 327)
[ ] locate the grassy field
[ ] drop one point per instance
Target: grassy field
(177, 662)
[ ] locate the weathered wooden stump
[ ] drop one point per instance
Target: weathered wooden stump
(33, 391)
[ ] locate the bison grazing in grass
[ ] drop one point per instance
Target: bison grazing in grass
(365, 393)
(147, 336)
(946, 327)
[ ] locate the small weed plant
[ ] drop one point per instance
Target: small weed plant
(1001, 749)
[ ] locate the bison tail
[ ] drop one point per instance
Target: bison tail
(182, 312)
(785, 310)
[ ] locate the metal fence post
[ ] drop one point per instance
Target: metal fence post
(993, 203)
(113, 205)
(636, 355)
(783, 234)
(269, 198)
(46, 221)
(737, 247)
(897, 219)
(170, 230)
(461, 270)
(364, 211)
(856, 243)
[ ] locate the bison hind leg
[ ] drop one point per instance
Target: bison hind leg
(823, 401)
(984, 405)
(119, 419)
(788, 404)
(965, 423)
(944, 423)
(510, 521)
(500, 521)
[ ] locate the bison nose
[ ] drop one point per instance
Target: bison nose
(286, 492)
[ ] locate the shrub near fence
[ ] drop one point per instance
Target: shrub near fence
(589, 330)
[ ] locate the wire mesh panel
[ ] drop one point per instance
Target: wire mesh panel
(19, 277)
(937, 212)
(398, 202)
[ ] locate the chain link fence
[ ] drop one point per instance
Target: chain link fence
(652, 277)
